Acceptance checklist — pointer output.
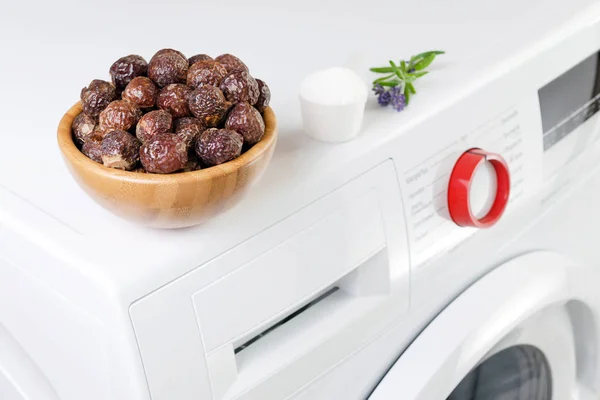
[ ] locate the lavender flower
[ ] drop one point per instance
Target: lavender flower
(396, 91)
(378, 89)
(384, 98)
(397, 98)
(393, 96)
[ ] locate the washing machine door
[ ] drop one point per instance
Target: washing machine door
(528, 330)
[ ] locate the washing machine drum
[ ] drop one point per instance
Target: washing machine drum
(518, 373)
(525, 331)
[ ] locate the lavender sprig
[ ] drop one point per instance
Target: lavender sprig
(397, 86)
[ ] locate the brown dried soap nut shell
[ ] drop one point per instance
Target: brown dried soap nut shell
(163, 154)
(153, 123)
(126, 68)
(231, 62)
(167, 68)
(97, 96)
(168, 51)
(83, 126)
(189, 129)
(174, 99)
(217, 146)
(182, 123)
(120, 150)
(120, 114)
(209, 105)
(247, 121)
(264, 96)
(92, 148)
(141, 91)
(206, 72)
(198, 57)
(98, 131)
(239, 86)
(189, 134)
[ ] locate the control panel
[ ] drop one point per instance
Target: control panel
(524, 135)
(468, 182)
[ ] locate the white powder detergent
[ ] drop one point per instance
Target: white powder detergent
(333, 104)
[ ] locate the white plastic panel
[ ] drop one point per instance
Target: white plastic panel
(69, 362)
(305, 347)
(353, 239)
(291, 272)
(20, 377)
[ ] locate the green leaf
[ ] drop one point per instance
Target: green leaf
(411, 88)
(419, 74)
(410, 65)
(397, 71)
(385, 78)
(427, 54)
(407, 94)
(414, 60)
(403, 66)
(381, 70)
(424, 63)
(393, 83)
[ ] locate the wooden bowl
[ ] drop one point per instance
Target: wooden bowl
(172, 200)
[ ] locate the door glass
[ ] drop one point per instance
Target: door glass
(516, 373)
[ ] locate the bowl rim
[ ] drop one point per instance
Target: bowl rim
(74, 155)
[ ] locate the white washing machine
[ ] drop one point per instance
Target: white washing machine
(449, 252)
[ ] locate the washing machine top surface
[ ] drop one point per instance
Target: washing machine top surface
(41, 200)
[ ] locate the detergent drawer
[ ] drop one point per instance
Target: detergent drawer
(298, 298)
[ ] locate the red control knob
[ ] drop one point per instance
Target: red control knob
(460, 186)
